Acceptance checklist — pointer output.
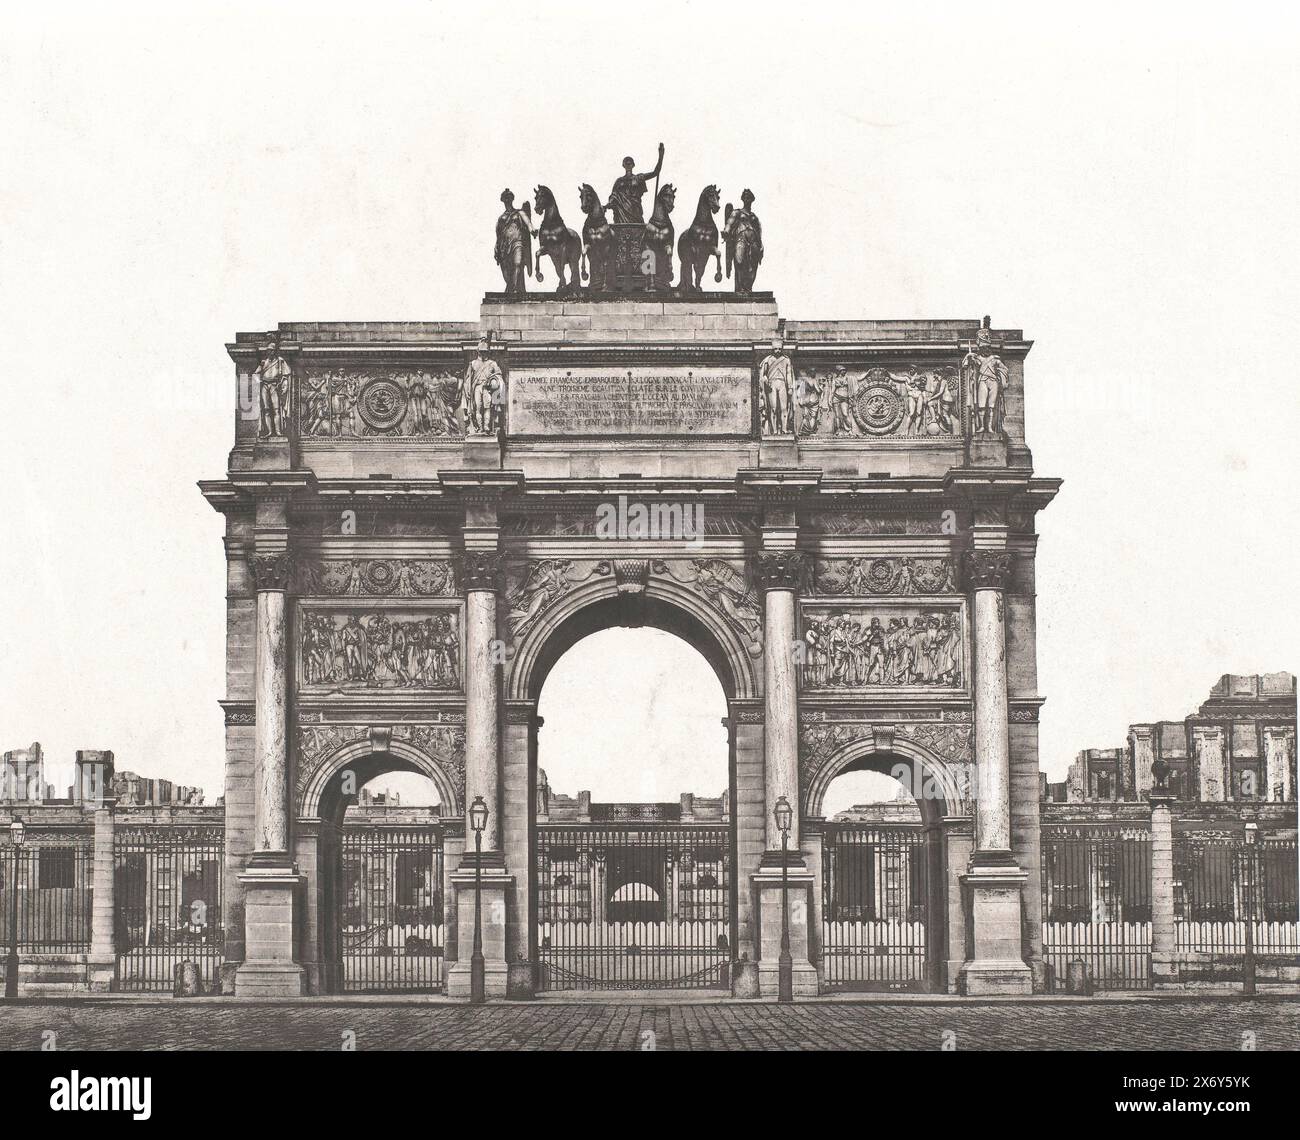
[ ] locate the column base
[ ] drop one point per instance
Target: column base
(101, 973)
(1165, 971)
(496, 979)
(767, 886)
(270, 980)
(988, 976)
(803, 976)
(993, 886)
(272, 901)
(495, 884)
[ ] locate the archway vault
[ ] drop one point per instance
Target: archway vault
(938, 786)
(381, 750)
(608, 601)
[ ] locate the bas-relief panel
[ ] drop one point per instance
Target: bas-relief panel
(379, 403)
(911, 401)
(862, 645)
(359, 649)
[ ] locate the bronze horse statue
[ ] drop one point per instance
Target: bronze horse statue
(599, 239)
(561, 244)
(657, 241)
(699, 242)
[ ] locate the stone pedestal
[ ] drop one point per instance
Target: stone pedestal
(996, 965)
(482, 452)
(767, 891)
(496, 973)
(778, 451)
(272, 902)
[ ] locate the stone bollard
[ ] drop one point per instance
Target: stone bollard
(186, 980)
(1077, 981)
(226, 979)
(521, 981)
(744, 978)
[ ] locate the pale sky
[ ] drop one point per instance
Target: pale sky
(1119, 181)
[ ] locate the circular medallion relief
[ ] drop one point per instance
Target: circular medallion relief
(878, 407)
(382, 403)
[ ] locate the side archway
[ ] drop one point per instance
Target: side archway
(376, 754)
(933, 783)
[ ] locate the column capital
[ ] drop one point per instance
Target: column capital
(780, 569)
(272, 571)
(987, 569)
(481, 570)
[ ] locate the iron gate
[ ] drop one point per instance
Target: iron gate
(875, 908)
(389, 909)
(167, 904)
(638, 906)
(1096, 894)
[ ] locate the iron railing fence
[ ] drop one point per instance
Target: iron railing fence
(51, 881)
(1226, 889)
(1096, 904)
(167, 904)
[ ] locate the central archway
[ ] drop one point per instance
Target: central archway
(632, 880)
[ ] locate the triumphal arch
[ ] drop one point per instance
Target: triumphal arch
(422, 517)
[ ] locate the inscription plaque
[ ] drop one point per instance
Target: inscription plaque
(662, 399)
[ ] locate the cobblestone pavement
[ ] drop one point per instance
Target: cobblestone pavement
(1164, 1024)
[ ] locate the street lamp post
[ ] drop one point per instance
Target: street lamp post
(1248, 890)
(784, 963)
(478, 814)
(11, 963)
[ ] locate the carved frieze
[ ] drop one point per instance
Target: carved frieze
(240, 715)
(579, 524)
(863, 647)
(377, 577)
(367, 403)
(388, 649)
(860, 577)
(844, 522)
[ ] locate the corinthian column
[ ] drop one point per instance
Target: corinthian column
(994, 882)
(270, 882)
(481, 574)
(779, 575)
(987, 572)
(272, 574)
